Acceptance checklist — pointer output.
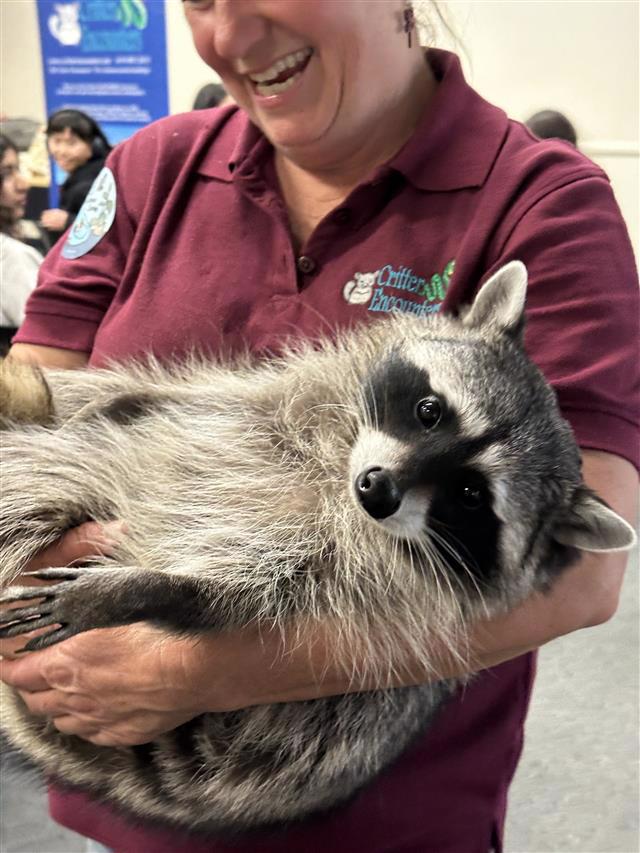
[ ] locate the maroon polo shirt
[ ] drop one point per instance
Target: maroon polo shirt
(200, 256)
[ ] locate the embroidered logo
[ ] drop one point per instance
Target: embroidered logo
(380, 289)
(359, 289)
(94, 218)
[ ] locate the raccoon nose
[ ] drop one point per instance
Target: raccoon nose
(378, 493)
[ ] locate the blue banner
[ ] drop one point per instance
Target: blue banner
(107, 58)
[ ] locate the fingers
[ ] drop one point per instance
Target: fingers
(70, 725)
(74, 714)
(87, 540)
(13, 647)
(33, 673)
(80, 715)
(54, 703)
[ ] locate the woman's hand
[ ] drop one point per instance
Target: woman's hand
(86, 540)
(113, 687)
(125, 685)
(54, 219)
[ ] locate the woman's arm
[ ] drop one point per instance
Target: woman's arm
(127, 685)
(49, 356)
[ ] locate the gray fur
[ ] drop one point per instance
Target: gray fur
(237, 486)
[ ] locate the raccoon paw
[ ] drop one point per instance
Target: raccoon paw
(72, 604)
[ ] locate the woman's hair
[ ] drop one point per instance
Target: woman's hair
(7, 218)
(83, 126)
(432, 23)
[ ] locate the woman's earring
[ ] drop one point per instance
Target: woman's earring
(409, 21)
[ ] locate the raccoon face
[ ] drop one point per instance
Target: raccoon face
(464, 457)
(414, 470)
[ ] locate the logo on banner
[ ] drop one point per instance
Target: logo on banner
(94, 218)
(64, 25)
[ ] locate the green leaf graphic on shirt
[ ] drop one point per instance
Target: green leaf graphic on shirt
(133, 13)
(448, 272)
(436, 288)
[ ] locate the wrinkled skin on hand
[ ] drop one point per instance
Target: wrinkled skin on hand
(115, 686)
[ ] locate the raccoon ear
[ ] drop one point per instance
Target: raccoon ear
(500, 301)
(590, 525)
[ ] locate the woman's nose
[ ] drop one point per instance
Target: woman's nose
(238, 28)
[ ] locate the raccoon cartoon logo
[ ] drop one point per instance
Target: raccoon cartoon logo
(358, 290)
(64, 25)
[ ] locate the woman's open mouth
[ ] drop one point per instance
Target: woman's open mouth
(283, 74)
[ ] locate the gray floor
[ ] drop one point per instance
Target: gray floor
(577, 788)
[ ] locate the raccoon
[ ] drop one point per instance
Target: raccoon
(401, 481)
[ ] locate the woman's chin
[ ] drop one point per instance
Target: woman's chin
(299, 138)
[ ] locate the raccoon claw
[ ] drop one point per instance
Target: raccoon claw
(49, 639)
(24, 593)
(60, 604)
(62, 573)
(14, 621)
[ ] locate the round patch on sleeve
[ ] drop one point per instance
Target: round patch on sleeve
(94, 218)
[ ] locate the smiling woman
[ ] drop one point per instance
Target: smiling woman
(79, 147)
(356, 93)
(351, 152)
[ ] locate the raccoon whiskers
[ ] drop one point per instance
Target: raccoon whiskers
(430, 561)
(370, 397)
(448, 619)
(460, 600)
(446, 545)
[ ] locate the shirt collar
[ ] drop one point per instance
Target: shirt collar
(459, 136)
(453, 146)
(237, 143)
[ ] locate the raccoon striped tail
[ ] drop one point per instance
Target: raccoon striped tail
(25, 397)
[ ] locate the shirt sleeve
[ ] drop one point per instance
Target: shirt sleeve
(19, 265)
(73, 296)
(583, 310)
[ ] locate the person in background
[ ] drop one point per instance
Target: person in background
(353, 155)
(19, 263)
(80, 148)
(550, 124)
(211, 95)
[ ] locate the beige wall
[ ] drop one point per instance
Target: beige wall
(21, 87)
(579, 56)
(188, 72)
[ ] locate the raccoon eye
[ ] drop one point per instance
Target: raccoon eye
(473, 496)
(429, 412)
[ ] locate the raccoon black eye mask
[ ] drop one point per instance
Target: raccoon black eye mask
(403, 481)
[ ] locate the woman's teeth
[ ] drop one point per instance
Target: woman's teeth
(280, 76)
(276, 88)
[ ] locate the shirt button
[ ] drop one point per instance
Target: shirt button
(305, 264)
